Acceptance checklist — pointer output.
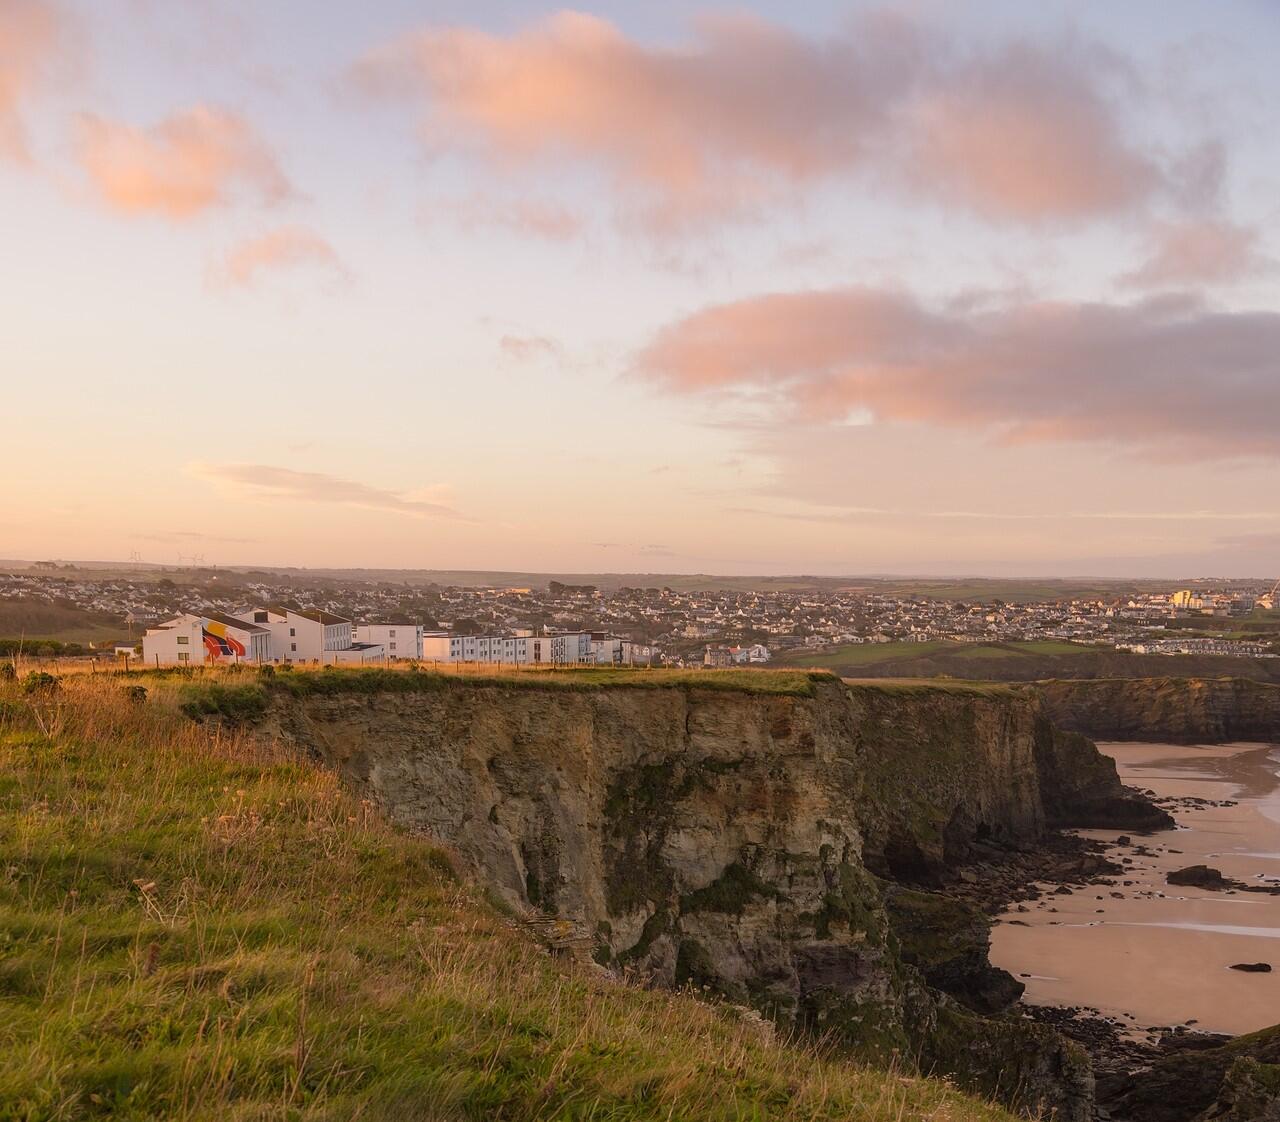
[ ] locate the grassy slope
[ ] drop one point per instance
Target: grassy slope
(36, 621)
(195, 927)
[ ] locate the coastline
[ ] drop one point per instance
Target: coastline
(1152, 957)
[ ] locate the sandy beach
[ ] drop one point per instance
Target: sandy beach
(1152, 954)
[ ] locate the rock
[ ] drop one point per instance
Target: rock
(1198, 876)
(1253, 967)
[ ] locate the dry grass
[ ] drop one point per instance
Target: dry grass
(194, 925)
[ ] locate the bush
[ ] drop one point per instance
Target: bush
(7, 672)
(232, 703)
(136, 694)
(39, 682)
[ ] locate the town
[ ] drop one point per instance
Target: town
(199, 617)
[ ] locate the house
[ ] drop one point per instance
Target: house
(398, 640)
(200, 640)
(304, 635)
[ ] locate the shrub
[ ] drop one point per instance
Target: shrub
(39, 682)
(232, 703)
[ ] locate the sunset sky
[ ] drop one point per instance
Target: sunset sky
(808, 287)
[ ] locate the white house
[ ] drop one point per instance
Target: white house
(398, 640)
(306, 635)
(200, 640)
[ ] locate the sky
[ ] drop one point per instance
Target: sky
(804, 287)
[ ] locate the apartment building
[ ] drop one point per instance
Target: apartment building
(306, 635)
(397, 640)
(202, 640)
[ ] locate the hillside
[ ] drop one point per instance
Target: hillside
(1021, 662)
(65, 623)
(1172, 710)
(196, 925)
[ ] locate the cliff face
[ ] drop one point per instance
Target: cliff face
(725, 839)
(952, 772)
(1176, 710)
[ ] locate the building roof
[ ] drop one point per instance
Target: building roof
(316, 615)
(236, 622)
(321, 616)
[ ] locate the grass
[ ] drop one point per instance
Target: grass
(206, 690)
(1020, 661)
(194, 925)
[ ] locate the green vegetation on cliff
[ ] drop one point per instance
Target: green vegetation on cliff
(195, 926)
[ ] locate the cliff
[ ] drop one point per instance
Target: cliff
(197, 925)
(726, 837)
(1174, 710)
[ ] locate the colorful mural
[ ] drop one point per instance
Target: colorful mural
(220, 643)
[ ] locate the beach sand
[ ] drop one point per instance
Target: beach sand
(1160, 956)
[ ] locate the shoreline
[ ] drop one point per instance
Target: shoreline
(1148, 957)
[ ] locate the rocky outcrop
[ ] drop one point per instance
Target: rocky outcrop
(1239, 1081)
(727, 839)
(1172, 710)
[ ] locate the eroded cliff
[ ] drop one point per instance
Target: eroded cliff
(730, 838)
(1173, 710)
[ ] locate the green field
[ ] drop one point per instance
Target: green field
(196, 926)
(22, 619)
(1020, 662)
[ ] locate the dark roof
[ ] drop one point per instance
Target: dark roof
(236, 622)
(315, 614)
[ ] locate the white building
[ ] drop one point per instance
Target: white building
(523, 648)
(307, 635)
(398, 640)
(209, 639)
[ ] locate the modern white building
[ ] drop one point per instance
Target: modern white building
(398, 640)
(202, 640)
(305, 636)
(524, 648)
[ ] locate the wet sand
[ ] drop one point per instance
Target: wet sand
(1160, 955)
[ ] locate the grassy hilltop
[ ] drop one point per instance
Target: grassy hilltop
(193, 925)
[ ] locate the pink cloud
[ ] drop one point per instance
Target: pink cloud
(1161, 377)
(1030, 134)
(185, 164)
(30, 31)
(529, 348)
(1208, 251)
(535, 217)
(285, 248)
(749, 111)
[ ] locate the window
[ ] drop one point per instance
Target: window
(293, 646)
(292, 632)
(259, 617)
(184, 656)
(393, 646)
(184, 639)
(392, 633)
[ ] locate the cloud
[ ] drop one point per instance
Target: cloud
(30, 32)
(264, 481)
(529, 348)
(1028, 133)
(750, 110)
(187, 163)
(535, 217)
(288, 247)
(1163, 377)
(1202, 252)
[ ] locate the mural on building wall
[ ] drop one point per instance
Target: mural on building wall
(220, 643)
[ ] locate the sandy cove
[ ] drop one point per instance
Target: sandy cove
(1145, 952)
